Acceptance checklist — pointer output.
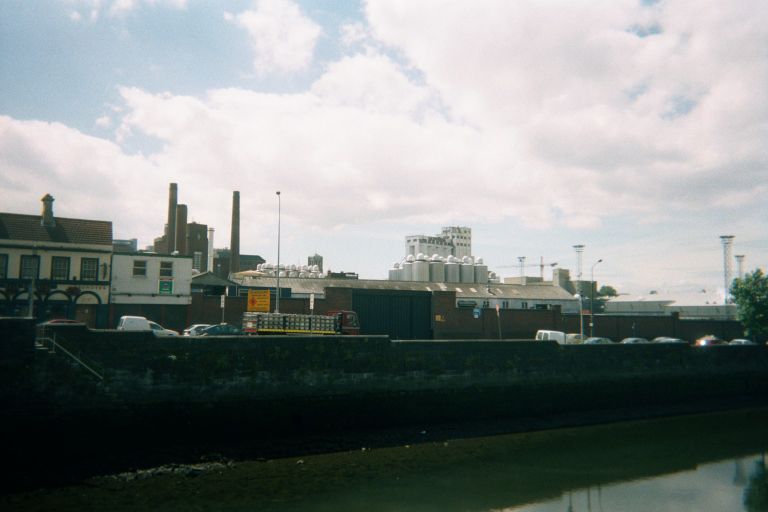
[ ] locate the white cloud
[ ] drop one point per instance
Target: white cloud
(283, 38)
(113, 8)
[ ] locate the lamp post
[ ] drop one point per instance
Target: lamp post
(581, 316)
(277, 293)
(592, 300)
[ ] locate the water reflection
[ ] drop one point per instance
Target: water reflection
(706, 463)
(710, 487)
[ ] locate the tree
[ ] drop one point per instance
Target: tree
(750, 293)
(607, 291)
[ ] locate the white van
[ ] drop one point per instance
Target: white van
(557, 336)
(139, 323)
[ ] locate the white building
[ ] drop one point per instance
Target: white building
(453, 241)
(64, 262)
(148, 278)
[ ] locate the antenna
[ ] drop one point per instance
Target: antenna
(521, 259)
(740, 265)
(726, 240)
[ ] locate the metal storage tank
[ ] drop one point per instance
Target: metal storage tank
(481, 272)
(467, 270)
(452, 271)
(421, 269)
(394, 272)
(407, 271)
(437, 269)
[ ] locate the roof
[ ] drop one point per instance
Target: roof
(15, 226)
(300, 286)
(210, 279)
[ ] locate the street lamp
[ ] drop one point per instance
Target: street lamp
(592, 300)
(277, 294)
(581, 316)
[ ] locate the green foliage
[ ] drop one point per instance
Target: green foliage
(751, 295)
(607, 291)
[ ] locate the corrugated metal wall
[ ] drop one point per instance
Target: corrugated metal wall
(403, 315)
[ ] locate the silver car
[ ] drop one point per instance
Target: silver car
(630, 341)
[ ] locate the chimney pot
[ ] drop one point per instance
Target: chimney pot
(47, 218)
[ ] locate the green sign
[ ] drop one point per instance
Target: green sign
(165, 288)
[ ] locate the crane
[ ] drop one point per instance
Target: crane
(521, 265)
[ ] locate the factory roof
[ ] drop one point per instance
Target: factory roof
(305, 286)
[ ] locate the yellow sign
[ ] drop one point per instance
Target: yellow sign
(258, 301)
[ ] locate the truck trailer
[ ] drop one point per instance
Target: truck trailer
(333, 322)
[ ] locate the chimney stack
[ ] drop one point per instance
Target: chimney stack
(210, 250)
(181, 230)
(170, 236)
(234, 239)
(47, 219)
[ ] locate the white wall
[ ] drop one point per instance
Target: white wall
(130, 289)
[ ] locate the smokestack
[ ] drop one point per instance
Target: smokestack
(181, 229)
(210, 250)
(234, 239)
(46, 219)
(170, 236)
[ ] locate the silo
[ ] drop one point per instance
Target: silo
(452, 272)
(467, 270)
(394, 272)
(481, 272)
(407, 269)
(421, 269)
(437, 269)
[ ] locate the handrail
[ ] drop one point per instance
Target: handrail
(54, 343)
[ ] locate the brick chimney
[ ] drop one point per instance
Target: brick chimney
(47, 219)
(170, 235)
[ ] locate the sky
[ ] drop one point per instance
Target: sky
(638, 129)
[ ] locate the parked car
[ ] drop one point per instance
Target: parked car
(140, 323)
(195, 329)
(222, 330)
(59, 321)
(709, 340)
(631, 341)
(574, 338)
(741, 341)
(544, 335)
(668, 339)
(595, 340)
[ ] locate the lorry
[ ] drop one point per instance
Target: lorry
(333, 322)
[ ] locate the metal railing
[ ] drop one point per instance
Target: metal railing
(54, 345)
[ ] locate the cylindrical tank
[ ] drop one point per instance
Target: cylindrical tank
(467, 270)
(407, 269)
(452, 272)
(421, 269)
(437, 269)
(481, 271)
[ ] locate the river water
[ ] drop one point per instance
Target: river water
(710, 462)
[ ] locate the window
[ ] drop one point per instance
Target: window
(3, 266)
(60, 268)
(139, 268)
(197, 260)
(30, 267)
(505, 304)
(89, 269)
(166, 269)
(524, 305)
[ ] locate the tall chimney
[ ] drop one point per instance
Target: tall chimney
(46, 219)
(210, 250)
(170, 236)
(234, 239)
(181, 229)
